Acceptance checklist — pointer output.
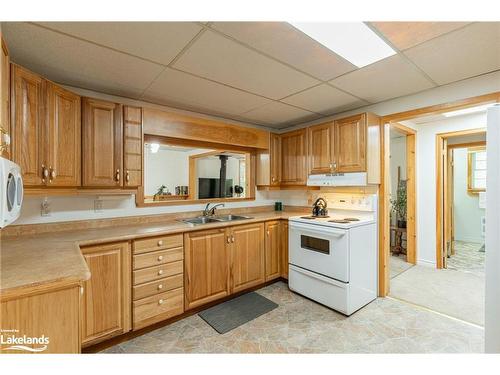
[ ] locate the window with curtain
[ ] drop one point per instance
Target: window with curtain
(476, 169)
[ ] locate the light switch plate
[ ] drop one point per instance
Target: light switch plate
(45, 208)
(98, 206)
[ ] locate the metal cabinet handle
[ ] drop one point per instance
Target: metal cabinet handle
(4, 139)
(52, 174)
(127, 176)
(232, 238)
(160, 302)
(117, 175)
(160, 286)
(45, 173)
(160, 272)
(160, 243)
(160, 258)
(228, 239)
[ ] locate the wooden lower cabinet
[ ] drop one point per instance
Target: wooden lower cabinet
(158, 279)
(284, 249)
(273, 249)
(247, 256)
(106, 305)
(206, 267)
(53, 314)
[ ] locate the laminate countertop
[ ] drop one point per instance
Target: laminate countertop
(30, 262)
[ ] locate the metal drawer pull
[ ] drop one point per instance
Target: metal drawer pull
(160, 258)
(127, 177)
(160, 243)
(160, 302)
(228, 239)
(160, 272)
(117, 176)
(232, 239)
(160, 286)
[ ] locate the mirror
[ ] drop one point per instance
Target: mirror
(182, 173)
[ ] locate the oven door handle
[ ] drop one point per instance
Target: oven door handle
(317, 229)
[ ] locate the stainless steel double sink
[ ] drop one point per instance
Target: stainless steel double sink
(199, 220)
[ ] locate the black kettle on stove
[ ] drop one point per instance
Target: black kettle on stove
(319, 208)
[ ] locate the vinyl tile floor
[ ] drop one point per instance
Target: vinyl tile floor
(300, 325)
(467, 258)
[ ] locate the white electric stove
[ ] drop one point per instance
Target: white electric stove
(333, 259)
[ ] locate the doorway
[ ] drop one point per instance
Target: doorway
(460, 199)
(402, 199)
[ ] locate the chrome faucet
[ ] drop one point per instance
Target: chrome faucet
(210, 211)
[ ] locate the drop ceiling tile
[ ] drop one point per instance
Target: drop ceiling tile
(405, 35)
(284, 42)
(74, 62)
(177, 88)
(386, 79)
(218, 58)
(277, 113)
(156, 41)
(324, 99)
(465, 53)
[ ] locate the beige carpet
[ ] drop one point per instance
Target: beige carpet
(451, 292)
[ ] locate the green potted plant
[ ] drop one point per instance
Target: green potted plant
(399, 206)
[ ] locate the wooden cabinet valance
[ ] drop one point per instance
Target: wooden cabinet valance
(174, 125)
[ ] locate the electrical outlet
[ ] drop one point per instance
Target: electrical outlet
(98, 206)
(45, 208)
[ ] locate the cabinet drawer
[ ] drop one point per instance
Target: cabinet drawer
(158, 286)
(159, 307)
(157, 243)
(157, 272)
(158, 257)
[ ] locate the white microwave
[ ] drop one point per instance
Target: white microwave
(11, 192)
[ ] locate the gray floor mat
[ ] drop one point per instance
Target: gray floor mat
(240, 310)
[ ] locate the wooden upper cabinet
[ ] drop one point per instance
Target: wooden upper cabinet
(247, 256)
(321, 148)
(132, 146)
(350, 144)
(273, 249)
(102, 152)
(269, 163)
(106, 305)
(206, 267)
(294, 157)
(275, 159)
(63, 136)
(4, 100)
(27, 125)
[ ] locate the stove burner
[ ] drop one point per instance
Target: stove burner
(339, 221)
(351, 219)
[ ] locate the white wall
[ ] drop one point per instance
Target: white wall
(492, 262)
(426, 179)
(398, 159)
(466, 211)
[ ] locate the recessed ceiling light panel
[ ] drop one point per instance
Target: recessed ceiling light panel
(354, 41)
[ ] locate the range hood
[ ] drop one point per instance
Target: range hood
(338, 179)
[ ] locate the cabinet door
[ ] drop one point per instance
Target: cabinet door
(247, 256)
(206, 265)
(275, 159)
(272, 249)
(320, 148)
(350, 144)
(63, 129)
(4, 100)
(102, 153)
(54, 314)
(132, 146)
(284, 249)
(106, 303)
(294, 158)
(28, 137)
